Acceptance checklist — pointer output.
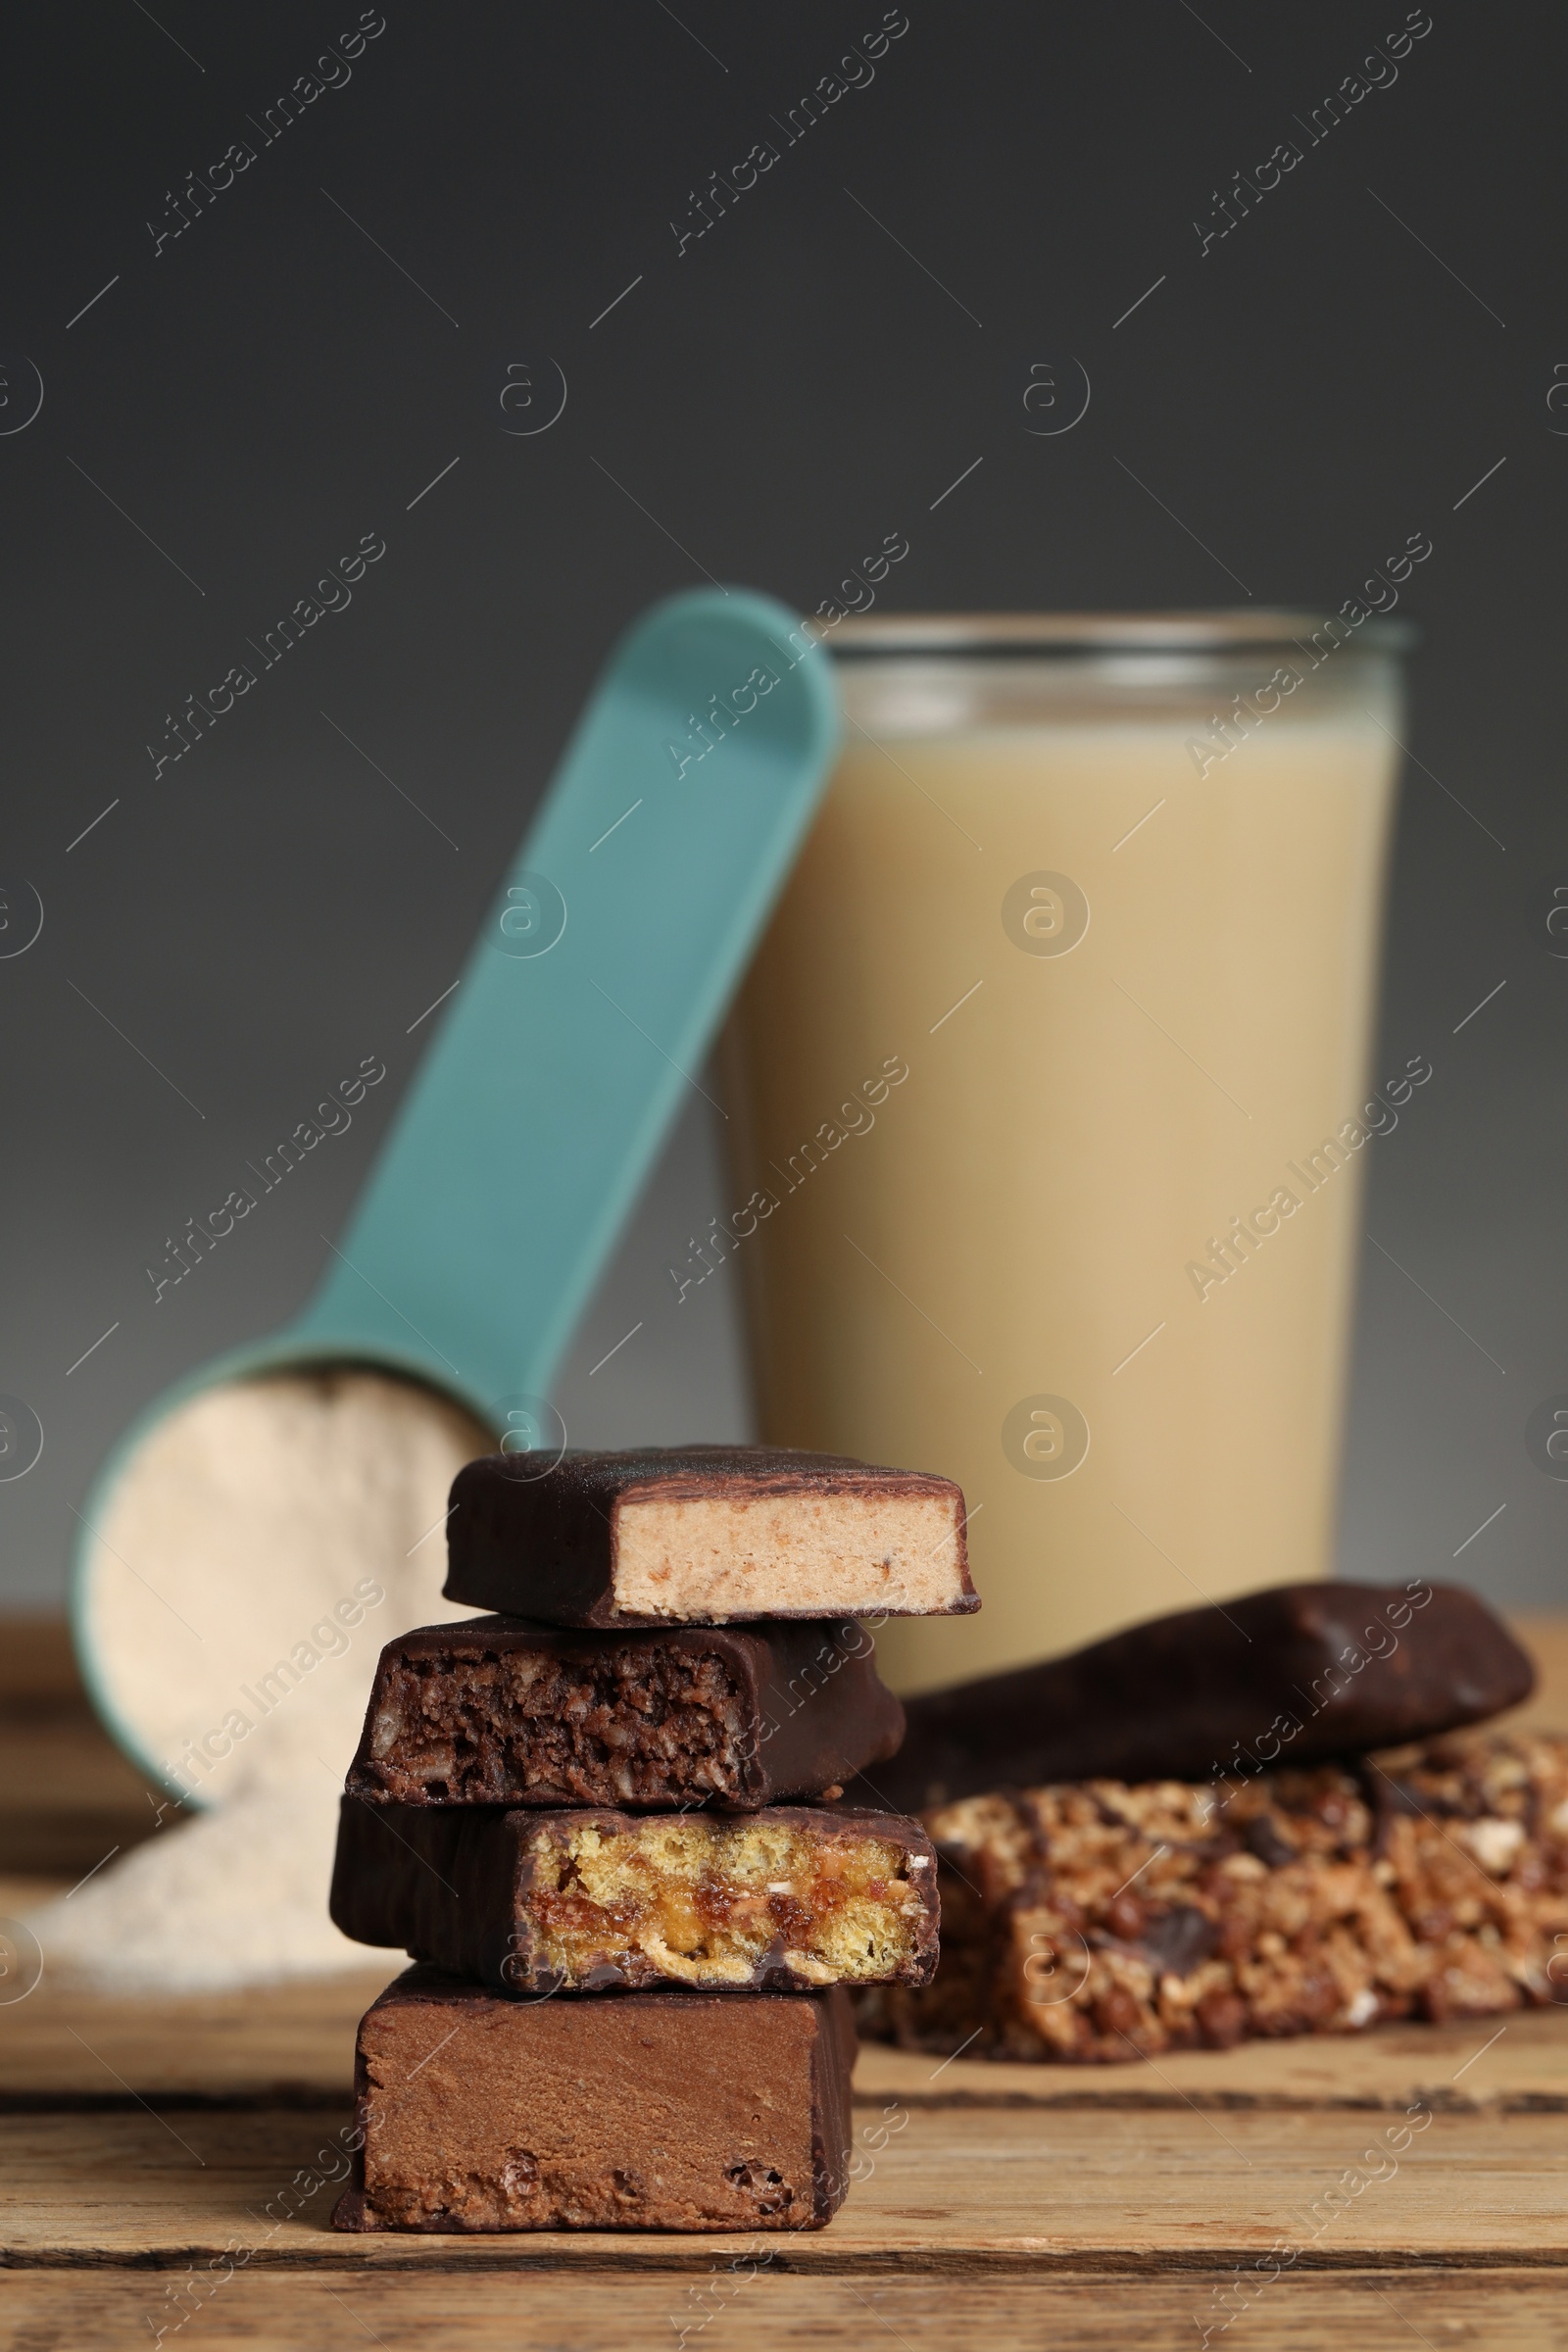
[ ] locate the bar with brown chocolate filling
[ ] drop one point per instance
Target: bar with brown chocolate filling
(1098, 1920)
(495, 1711)
(790, 1899)
(704, 1535)
(659, 2111)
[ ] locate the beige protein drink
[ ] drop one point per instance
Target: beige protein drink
(1048, 1087)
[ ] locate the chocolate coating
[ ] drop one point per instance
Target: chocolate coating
(704, 1535)
(787, 1900)
(657, 2111)
(496, 1711)
(1288, 1676)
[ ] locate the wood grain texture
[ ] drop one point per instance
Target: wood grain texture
(293, 2045)
(951, 2189)
(106, 2311)
(1455, 2068)
(276, 2044)
(67, 1796)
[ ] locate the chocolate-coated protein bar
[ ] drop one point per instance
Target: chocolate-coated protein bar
(1287, 1676)
(657, 2111)
(702, 1535)
(786, 1899)
(492, 1710)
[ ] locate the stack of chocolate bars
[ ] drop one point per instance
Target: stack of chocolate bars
(605, 1823)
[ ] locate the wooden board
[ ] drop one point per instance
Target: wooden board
(1503, 2310)
(67, 1795)
(294, 2046)
(1517, 2062)
(954, 2189)
(999, 2206)
(278, 2045)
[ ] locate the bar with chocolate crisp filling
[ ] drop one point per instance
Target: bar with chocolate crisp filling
(657, 2111)
(1097, 1920)
(1288, 1675)
(787, 1900)
(702, 1535)
(495, 1711)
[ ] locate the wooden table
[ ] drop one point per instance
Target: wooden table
(1002, 2207)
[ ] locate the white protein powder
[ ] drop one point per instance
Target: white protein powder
(258, 1550)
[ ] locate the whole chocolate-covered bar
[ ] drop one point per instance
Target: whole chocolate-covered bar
(657, 2111)
(702, 1535)
(1292, 1675)
(788, 1899)
(492, 1710)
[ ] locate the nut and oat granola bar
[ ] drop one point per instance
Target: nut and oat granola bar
(1099, 1920)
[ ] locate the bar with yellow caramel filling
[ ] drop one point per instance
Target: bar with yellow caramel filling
(789, 1898)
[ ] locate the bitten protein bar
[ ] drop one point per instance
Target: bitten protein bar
(705, 1534)
(657, 2111)
(495, 1711)
(788, 1899)
(1102, 1921)
(1288, 1676)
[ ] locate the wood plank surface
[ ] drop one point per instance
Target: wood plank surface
(951, 2189)
(293, 2045)
(67, 1796)
(276, 2044)
(1515, 2062)
(1503, 2310)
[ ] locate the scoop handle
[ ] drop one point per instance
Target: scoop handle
(584, 1012)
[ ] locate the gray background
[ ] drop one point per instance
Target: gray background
(804, 379)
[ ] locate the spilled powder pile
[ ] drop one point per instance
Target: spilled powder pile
(259, 1549)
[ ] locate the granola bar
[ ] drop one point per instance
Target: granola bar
(1099, 1920)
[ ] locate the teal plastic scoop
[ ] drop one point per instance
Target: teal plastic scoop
(578, 1026)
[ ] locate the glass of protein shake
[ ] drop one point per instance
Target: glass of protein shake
(1050, 1099)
